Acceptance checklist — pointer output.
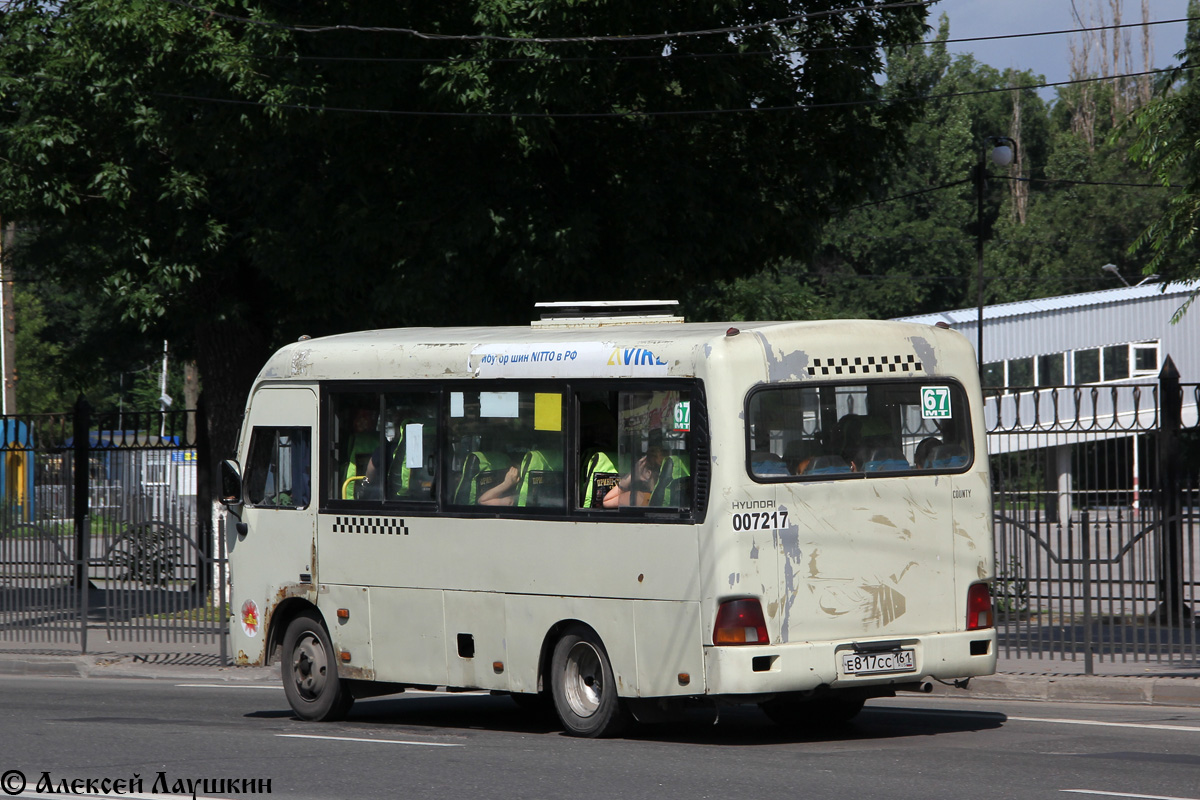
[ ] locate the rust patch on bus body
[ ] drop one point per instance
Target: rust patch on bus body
(352, 673)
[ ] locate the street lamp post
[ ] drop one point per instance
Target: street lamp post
(1002, 155)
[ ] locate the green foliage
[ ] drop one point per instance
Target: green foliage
(1165, 141)
(231, 185)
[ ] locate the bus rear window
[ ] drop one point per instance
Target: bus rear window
(857, 430)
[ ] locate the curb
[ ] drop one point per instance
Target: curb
(132, 666)
(46, 666)
(1132, 690)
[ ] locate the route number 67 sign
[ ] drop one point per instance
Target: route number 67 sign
(935, 402)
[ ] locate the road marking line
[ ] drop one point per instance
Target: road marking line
(1144, 725)
(227, 686)
(1123, 794)
(363, 739)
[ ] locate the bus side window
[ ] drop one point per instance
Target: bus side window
(512, 449)
(410, 446)
(654, 440)
(356, 435)
(277, 470)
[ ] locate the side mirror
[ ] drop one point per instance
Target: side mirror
(231, 483)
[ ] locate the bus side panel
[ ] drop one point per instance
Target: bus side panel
(669, 647)
(351, 634)
(529, 618)
(620, 559)
(475, 640)
(408, 628)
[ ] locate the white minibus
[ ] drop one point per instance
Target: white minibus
(616, 514)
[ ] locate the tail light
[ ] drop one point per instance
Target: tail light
(740, 622)
(979, 607)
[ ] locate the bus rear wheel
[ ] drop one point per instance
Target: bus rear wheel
(581, 682)
(309, 672)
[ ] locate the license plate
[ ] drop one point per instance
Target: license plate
(877, 663)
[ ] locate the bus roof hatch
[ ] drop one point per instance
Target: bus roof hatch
(594, 313)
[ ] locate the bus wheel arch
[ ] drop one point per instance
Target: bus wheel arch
(581, 684)
(282, 615)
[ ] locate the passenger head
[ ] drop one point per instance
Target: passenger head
(798, 454)
(925, 450)
(364, 420)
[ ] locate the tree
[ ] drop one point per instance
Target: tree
(237, 180)
(912, 250)
(1167, 142)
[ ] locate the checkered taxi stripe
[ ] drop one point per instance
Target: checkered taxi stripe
(874, 365)
(382, 525)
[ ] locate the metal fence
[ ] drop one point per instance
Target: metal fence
(1097, 514)
(100, 531)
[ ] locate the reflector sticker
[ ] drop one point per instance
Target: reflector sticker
(250, 618)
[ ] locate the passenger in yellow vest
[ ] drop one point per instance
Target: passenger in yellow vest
(363, 441)
(516, 488)
(655, 480)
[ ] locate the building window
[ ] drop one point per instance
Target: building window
(1020, 372)
(1087, 366)
(993, 375)
(1116, 362)
(1051, 370)
(1145, 358)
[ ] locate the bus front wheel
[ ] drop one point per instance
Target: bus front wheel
(585, 694)
(309, 672)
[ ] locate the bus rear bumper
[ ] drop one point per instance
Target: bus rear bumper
(803, 666)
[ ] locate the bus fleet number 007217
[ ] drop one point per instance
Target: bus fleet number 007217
(760, 520)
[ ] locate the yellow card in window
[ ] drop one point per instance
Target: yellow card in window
(547, 411)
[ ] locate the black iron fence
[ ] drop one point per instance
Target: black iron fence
(101, 530)
(1097, 513)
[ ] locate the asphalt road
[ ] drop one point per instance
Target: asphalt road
(457, 746)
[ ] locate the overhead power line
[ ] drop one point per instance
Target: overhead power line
(668, 57)
(639, 114)
(639, 37)
(630, 114)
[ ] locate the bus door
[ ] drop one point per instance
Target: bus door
(271, 552)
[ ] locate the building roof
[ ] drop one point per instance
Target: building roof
(1106, 297)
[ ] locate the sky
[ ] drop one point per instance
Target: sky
(1050, 55)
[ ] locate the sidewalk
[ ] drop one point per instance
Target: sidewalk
(1143, 683)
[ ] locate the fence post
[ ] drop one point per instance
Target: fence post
(1085, 544)
(81, 425)
(1171, 609)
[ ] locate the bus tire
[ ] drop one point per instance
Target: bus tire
(813, 713)
(582, 685)
(309, 671)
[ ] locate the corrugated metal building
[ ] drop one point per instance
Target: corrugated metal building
(1117, 338)
(1067, 324)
